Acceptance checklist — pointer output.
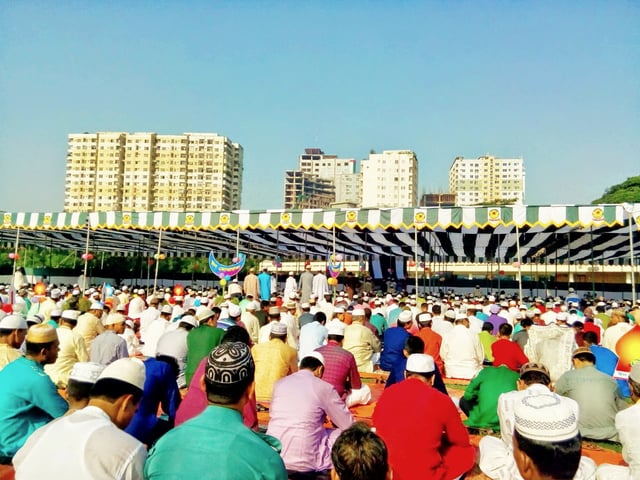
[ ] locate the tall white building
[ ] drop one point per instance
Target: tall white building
(390, 179)
(148, 171)
(321, 180)
(487, 180)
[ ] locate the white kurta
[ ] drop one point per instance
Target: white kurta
(85, 444)
(462, 353)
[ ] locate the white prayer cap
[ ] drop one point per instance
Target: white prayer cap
(290, 274)
(87, 372)
(55, 293)
(336, 328)
(114, 318)
(305, 306)
(71, 315)
(55, 313)
(128, 370)
(358, 312)
(562, 317)
(234, 310)
(460, 316)
(35, 319)
(13, 322)
(96, 306)
(338, 310)
(252, 306)
(278, 328)
(420, 363)
(424, 317)
(202, 313)
(546, 418)
(405, 316)
(316, 355)
(450, 314)
(190, 319)
(167, 309)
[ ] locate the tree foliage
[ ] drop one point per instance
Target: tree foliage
(627, 191)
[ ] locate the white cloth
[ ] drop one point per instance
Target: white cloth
(441, 326)
(320, 285)
(552, 346)
(174, 344)
(613, 334)
(136, 307)
(628, 426)
(462, 353)
(497, 462)
(146, 319)
(154, 331)
(361, 396)
(312, 336)
(85, 444)
(133, 344)
(290, 286)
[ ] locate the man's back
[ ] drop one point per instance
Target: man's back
(200, 341)
(340, 367)
(216, 435)
(599, 400)
(93, 448)
(362, 343)
(274, 359)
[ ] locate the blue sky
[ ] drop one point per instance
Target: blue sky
(557, 83)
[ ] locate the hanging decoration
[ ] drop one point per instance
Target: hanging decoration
(87, 256)
(225, 272)
(334, 265)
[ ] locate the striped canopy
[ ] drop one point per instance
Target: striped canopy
(574, 232)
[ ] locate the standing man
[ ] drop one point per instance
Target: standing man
(306, 284)
(201, 340)
(28, 397)
(421, 427)
(300, 404)
(290, 286)
(264, 281)
(90, 442)
(218, 432)
(320, 284)
(251, 285)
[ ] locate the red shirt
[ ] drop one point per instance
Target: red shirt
(506, 352)
(340, 369)
(592, 327)
(423, 432)
(432, 342)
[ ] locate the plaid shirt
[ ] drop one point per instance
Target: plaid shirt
(340, 368)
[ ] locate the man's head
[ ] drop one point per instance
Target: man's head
(335, 331)
(42, 343)
(487, 327)
(413, 344)
(279, 331)
(118, 390)
(82, 378)
(69, 318)
(320, 317)
(97, 309)
(583, 357)
(546, 439)
(359, 454)
(504, 330)
(590, 338)
(166, 312)
(420, 366)
(229, 375)
(313, 361)
(115, 322)
(358, 315)
(13, 330)
(533, 372)
(405, 319)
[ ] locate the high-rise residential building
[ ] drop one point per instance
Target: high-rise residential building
(390, 179)
(487, 180)
(321, 180)
(147, 171)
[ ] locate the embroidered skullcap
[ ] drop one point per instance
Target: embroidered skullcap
(56, 313)
(278, 328)
(274, 311)
(424, 317)
(534, 367)
(546, 418)
(87, 372)
(229, 363)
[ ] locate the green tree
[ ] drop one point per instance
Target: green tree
(627, 191)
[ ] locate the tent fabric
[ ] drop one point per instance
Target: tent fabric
(577, 233)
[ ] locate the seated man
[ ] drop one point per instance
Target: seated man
(81, 380)
(496, 455)
(480, 400)
(546, 439)
(13, 329)
(299, 408)
(28, 397)
(628, 426)
(274, 360)
(597, 395)
(94, 444)
(505, 352)
(422, 427)
(218, 433)
(360, 454)
(341, 370)
(394, 340)
(461, 350)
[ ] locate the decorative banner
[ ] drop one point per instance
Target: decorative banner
(494, 214)
(352, 217)
(420, 217)
(597, 215)
(226, 271)
(628, 351)
(285, 218)
(334, 265)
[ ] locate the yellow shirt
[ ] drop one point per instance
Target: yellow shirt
(7, 354)
(72, 350)
(274, 359)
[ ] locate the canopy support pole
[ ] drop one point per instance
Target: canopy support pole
(519, 263)
(15, 264)
(155, 275)
(86, 253)
(415, 256)
(632, 259)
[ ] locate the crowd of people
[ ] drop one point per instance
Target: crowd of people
(136, 384)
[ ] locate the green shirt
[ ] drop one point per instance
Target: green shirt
(215, 444)
(200, 342)
(483, 391)
(28, 400)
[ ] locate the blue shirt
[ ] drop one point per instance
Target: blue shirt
(28, 400)
(160, 389)
(264, 279)
(394, 340)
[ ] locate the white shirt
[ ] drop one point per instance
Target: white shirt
(320, 285)
(154, 332)
(462, 353)
(252, 324)
(613, 334)
(146, 319)
(174, 344)
(136, 307)
(83, 445)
